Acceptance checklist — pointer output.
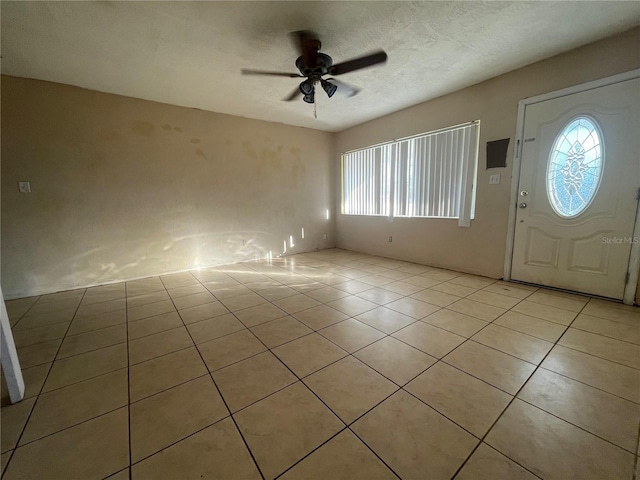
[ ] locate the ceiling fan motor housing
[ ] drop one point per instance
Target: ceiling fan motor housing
(321, 67)
(313, 65)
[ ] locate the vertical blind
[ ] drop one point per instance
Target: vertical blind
(367, 181)
(430, 175)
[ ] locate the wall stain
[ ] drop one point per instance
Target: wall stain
(195, 140)
(166, 126)
(200, 153)
(143, 128)
(288, 211)
(269, 160)
(249, 150)
(177, 129)
(298, 172)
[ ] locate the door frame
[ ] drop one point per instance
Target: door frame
(634, 259)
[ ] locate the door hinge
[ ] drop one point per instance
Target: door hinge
(626, 278)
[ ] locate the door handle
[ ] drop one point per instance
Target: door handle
(522, 205)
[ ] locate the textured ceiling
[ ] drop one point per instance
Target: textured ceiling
(191, 53)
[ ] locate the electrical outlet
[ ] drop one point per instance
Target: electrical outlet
(494, 179)
(390, 239)
(24, 187)
(324, 237)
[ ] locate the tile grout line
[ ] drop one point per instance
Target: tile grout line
(126, 318)
(482, 440)
(598, 356)
(92, 350)
(37, 397)
(73, 356)
(81, 381)
(33, 328)
(588, 385)
(324, 403)
(27, 311)
(290, 467)
(98, 329)
(607, 336)
(217, 389)
(68, 427)
(637, 459)
(576, 426)
(525, 333)
(4, 467)
(299, 379)
(199, 430)
(169, 388)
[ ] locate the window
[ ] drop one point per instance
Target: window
(366, 177)
(430, 175)
(574, 168)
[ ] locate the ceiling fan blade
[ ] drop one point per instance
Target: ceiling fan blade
(358, 63)
(345, 88)
(307, 44)
(246, 71)
(293, 95)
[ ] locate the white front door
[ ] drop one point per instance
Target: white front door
(578, 190)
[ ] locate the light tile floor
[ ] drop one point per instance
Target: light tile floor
(324, 365)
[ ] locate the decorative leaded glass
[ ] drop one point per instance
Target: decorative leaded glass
(575, 167)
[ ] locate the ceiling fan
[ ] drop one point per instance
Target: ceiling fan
(313, 65)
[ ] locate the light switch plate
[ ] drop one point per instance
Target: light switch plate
(24, 187)
(494, 179)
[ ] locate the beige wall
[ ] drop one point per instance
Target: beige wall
(481, 248)
(125, 188)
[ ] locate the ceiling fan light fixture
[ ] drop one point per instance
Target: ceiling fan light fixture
(329, 87)
(306, 87)
(310, 97)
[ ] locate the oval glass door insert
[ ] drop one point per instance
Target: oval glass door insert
(574, 168)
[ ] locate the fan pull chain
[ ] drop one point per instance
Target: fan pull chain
(315, 111)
